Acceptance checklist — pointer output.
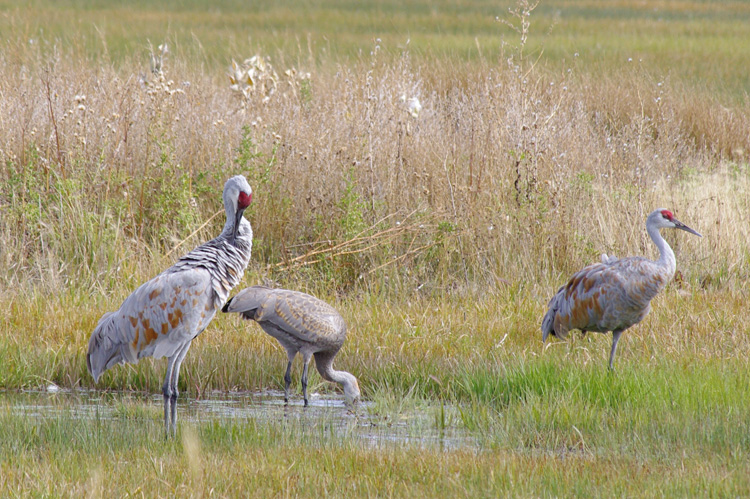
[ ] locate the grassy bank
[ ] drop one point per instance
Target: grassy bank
(672, 419)
(232, 460)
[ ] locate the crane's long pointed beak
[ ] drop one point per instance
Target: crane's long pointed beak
(680, 225)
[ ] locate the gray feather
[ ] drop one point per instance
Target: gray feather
(173, 307)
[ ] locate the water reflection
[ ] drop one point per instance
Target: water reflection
(364, 423)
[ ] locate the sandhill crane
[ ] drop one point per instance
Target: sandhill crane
(301, 323)
(163, 316)
(615, 294)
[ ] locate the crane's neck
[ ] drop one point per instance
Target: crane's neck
(347, 380)
(231, 218)
(236, 227)
(666, 259)
(229, 226)
(339, 377)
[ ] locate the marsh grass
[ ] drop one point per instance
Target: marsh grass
(559, 429)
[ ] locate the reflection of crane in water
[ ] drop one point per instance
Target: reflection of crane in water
(616, 293)
(301, 323)
(163, 316)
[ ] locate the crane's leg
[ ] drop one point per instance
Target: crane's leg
(288, 376)
(615, 338)
(166, 390)
(287, 381)
(304, 377)
(175, 376)
(304, 383)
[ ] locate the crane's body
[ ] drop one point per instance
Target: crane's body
(616, 293)
(302, 324)
(164, 315)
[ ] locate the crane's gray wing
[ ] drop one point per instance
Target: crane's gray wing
(293, 312)
(580, 303)
(155, 320)
(604, 297)
(303, 316)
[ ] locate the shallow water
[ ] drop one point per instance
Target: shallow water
(365, 424)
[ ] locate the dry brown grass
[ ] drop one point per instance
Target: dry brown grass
(508, 173)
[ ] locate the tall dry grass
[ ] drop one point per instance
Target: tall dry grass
(509, 172)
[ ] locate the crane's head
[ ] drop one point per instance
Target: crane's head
(351, 389)
(237, 197)
(664, 219)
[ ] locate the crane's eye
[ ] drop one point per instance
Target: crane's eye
(667, 214)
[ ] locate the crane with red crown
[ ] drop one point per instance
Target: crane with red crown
(616, 293)
(163, 316)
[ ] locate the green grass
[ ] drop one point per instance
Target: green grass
(673, 417)
(699, 44)
(548, 429)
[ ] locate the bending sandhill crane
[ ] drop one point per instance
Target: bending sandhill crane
(301, 323)
(615, 294)
(163, 316)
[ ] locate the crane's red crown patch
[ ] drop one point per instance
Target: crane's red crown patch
(243, 201)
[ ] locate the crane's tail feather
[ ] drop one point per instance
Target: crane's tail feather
(548, 323)
(105, 347)
(247, 301)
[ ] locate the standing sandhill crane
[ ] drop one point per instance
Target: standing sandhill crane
(163, 316)
(301, 323)
(615, 294)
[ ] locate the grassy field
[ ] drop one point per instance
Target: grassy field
(700, 44)
(440, 235)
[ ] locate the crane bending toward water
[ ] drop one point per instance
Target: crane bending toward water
(301, 323)
(616, 293)
(163, 316)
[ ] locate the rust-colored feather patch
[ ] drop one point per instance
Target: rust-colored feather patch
(174, 318)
